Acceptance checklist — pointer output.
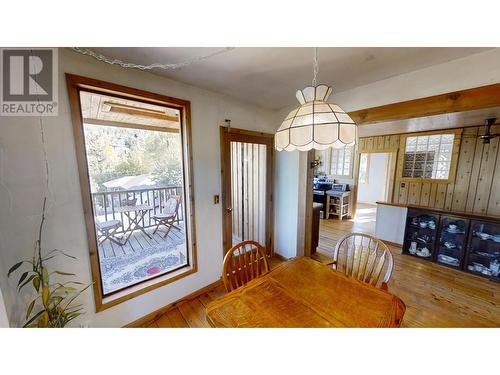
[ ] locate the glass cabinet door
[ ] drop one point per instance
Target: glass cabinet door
(484, 250)
(421, 231)
(452, 241)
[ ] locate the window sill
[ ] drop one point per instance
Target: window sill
(425, 180)
(144, 287)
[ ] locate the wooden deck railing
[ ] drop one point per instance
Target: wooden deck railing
(105, 204)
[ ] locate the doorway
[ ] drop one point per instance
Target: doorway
(373, 185)
(247, 187)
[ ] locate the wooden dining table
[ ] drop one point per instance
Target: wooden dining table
(305, 293)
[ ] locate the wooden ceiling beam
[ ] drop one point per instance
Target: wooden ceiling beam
(458, 101)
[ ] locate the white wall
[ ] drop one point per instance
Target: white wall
(286, 203)
(4, 320)
(390, 223)
(375, 189)
(22, 186)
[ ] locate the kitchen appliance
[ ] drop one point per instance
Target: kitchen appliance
(321, 184)
(338, 189)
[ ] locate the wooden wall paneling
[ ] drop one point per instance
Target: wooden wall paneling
(464, 169)
(361, 145)
(394, 139)
(369, 143)
(474, 177)
(440, 196)
(425, 194)
(485, 180)
(393, 157)
(380, 143)
(414, 193)
(449, 196)
(387, 142)
(432, 195)
(494, 200)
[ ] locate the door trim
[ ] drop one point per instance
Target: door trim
(240, 135)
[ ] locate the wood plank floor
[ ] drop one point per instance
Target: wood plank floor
(435, 296)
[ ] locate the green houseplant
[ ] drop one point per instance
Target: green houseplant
(55, 303)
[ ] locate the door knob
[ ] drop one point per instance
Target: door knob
(229, 209)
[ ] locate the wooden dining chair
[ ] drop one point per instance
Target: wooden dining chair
(244, 262)
(365, 258)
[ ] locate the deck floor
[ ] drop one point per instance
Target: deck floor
(139, 241)
(141, 258)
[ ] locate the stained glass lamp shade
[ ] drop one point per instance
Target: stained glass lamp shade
(316, 123)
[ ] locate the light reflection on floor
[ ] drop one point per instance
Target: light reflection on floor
(365, 213)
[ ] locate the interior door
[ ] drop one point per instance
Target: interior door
(247, 187)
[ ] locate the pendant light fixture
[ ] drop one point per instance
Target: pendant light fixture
(316, 124)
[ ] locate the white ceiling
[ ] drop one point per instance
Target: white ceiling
(269, 77)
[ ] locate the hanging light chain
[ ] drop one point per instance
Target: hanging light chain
(123, 64)
(316, 67)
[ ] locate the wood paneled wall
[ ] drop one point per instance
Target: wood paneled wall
(475, 188)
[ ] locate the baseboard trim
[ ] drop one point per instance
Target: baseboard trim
(146, 319)
(280, 257)
(392, 243)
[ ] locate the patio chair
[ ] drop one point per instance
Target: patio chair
(106, 230)
(169, 215)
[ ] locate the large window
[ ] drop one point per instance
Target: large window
(341, 161)
(133, 155)
(428, 156)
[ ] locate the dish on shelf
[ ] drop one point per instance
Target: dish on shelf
(496, 237)
(432, 224)
(448, 260)
(423, 224)
(450, 245)
(454, 231)
(424, 238)
(488, 255)
(483, 235)
(478, 267)
(423, 253)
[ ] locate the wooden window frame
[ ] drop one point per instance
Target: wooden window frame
(75, 84)
(454, 155)
(340, 176)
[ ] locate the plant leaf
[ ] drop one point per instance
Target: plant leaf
(43, 321)
(23, 276)
(45, 277)
(45, 296)
(60, 252)
(36, 283)
(33, 318)
(30, 308)
(14, 267)
(27, 281)
(64, 273)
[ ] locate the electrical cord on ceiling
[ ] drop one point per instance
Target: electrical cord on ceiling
(315, 67)
(172, 66)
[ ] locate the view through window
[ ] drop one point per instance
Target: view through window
(135, 163)
(341, 161)
(428, 156)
